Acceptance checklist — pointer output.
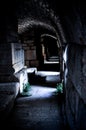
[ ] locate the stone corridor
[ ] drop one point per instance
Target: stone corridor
(48, 36)
(39, 110)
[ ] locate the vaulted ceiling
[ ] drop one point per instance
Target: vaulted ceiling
(64, 19)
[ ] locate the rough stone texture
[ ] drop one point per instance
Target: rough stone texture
(10, 88)
(23, 78)
(34, 63)
(17, 56)
(40, 111)
(6, 104)
(30, 54)
(73, 22)
(8, 93)
(5, 59)
(75, 69)
(12, 61)
(47, 15)
(75, 87)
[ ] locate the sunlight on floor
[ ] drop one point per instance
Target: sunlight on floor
(44, 73)
(41, 92)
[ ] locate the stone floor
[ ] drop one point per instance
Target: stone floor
(40, 109)
(47, 78)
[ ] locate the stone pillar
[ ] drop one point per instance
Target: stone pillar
(8, 35)
(12, 67)
(40, 57)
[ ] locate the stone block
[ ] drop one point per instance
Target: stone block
(31, 55)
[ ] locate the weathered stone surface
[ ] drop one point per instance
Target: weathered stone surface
(75, 87)
(75, 69)
(5, 59)
(40, 111)
(31, 55)
(6, 104)
(10, 88)
(23, 78)
(8, 93)
(17, 56)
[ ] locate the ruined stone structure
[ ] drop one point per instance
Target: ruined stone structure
(22, 26)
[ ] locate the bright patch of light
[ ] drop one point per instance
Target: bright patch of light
(31, 70)
(65, 54)
(41, 92)
(50, 62)
(47, 73)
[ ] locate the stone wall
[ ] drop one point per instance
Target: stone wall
(5, 59)
(30, 54)
(75, 86)
(17, 56)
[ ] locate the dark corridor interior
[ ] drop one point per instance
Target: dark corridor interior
(39, 108)
(42, 65)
